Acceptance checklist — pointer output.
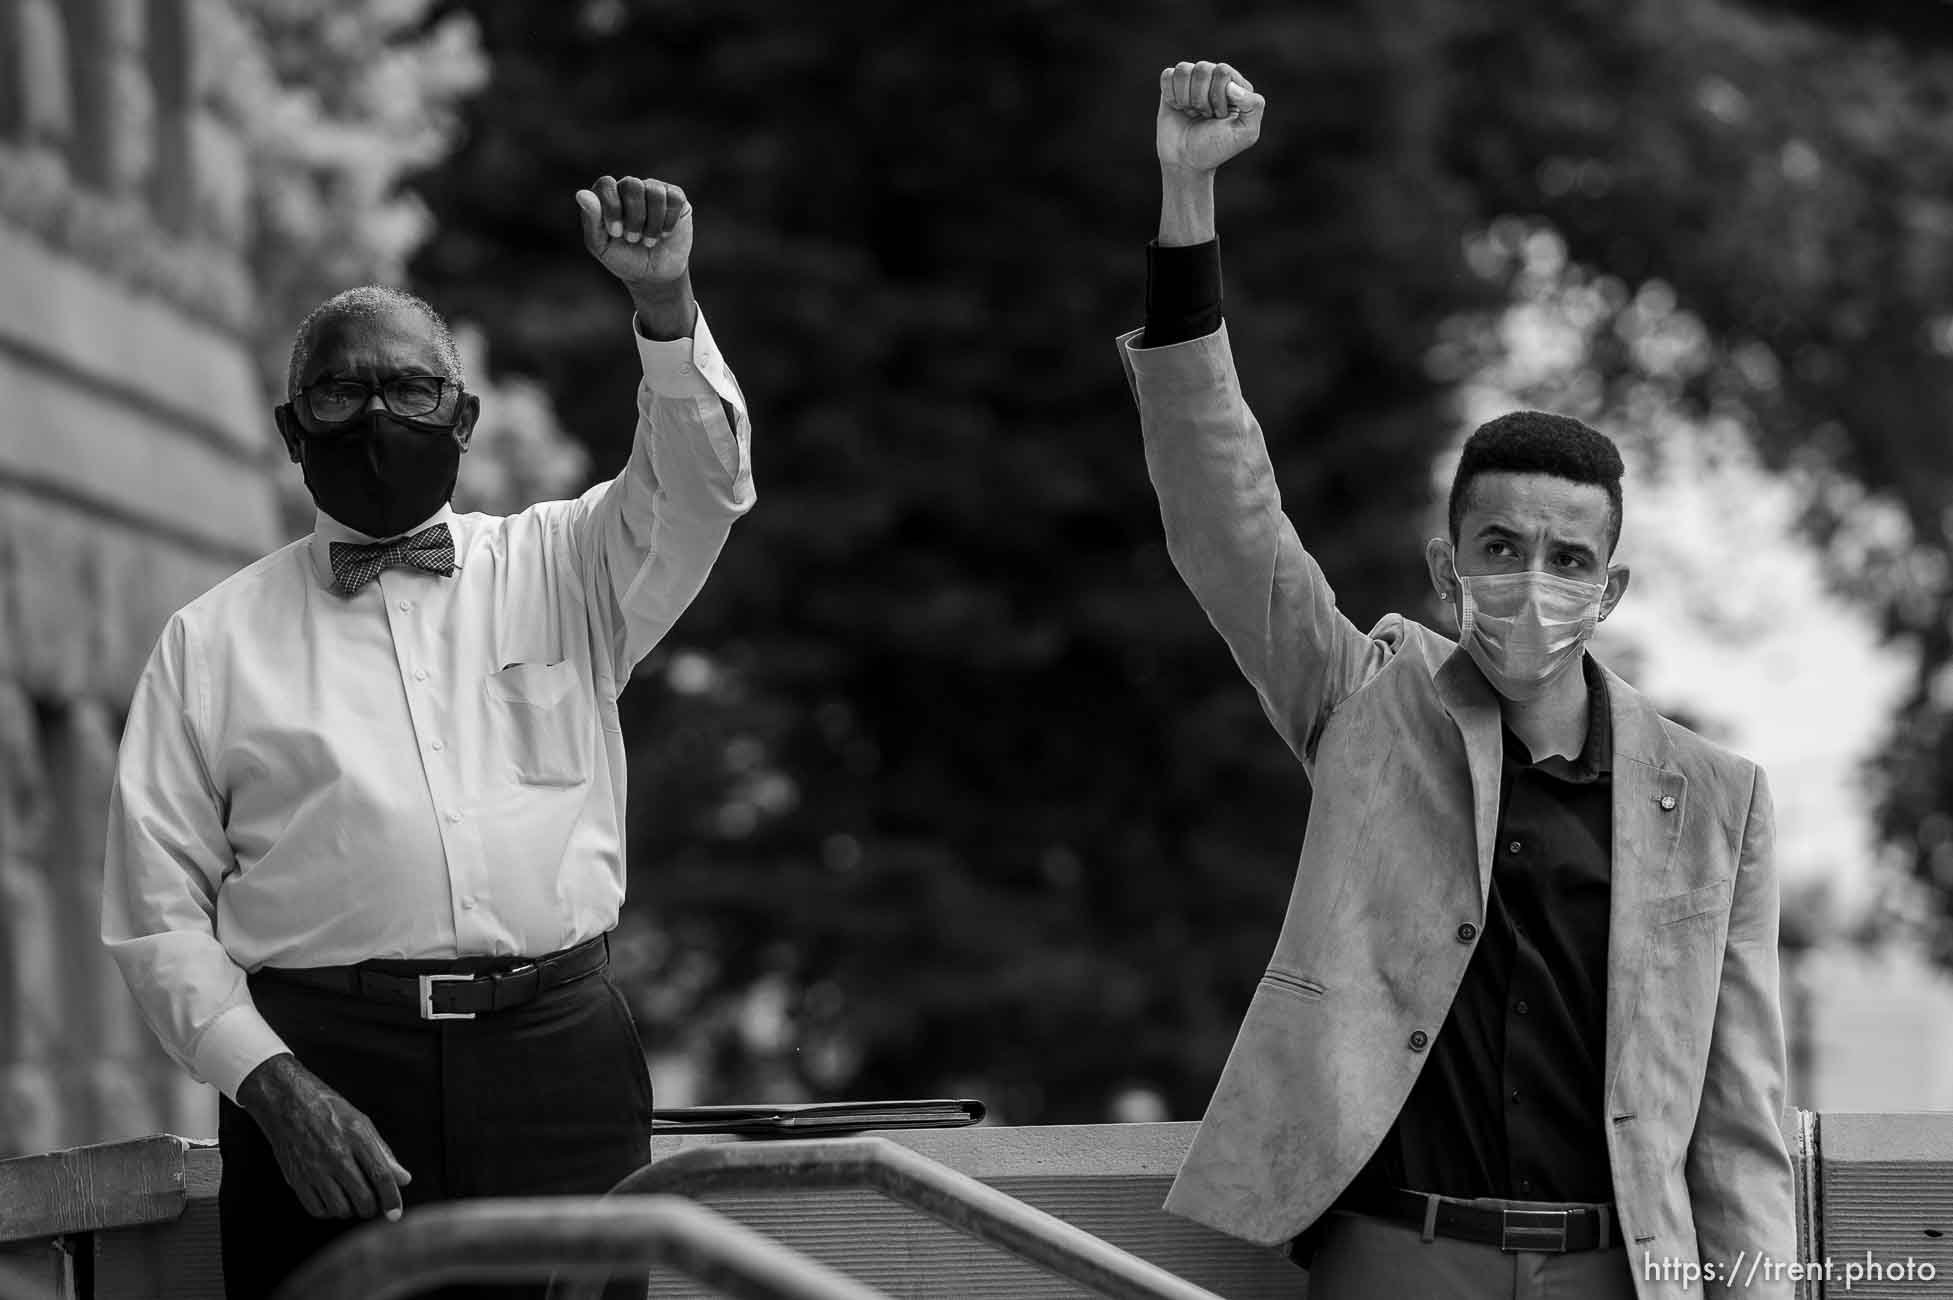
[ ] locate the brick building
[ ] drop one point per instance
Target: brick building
(135, 472)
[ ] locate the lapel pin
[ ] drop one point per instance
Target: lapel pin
(1668, 803)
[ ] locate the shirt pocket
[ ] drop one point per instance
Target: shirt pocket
(542, 719)
(1709, 900)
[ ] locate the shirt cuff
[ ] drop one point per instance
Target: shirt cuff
(687, 367)
(236, 1043)
(1183, 292)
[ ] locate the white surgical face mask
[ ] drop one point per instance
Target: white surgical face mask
(1523, 629)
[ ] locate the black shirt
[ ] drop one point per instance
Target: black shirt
(1510, 1103)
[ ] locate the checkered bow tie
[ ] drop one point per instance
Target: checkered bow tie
(354, 564)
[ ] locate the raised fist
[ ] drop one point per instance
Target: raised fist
(641, 230)
(1208, 113)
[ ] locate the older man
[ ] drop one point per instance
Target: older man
(1519, 1037)
(367, 832)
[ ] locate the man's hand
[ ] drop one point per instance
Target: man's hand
(1208, 113)
(330, 1153)
(642, 233)
(640, 230)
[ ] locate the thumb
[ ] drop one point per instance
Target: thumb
(590, 215)
(1247, 102)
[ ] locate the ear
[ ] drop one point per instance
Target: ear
(1442, 561)
(464, 419)
(288, 429)
(1617, 585)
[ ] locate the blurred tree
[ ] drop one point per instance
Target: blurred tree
(1787, 180)
(342, 98)
(945, 782)
(945, 750)
(339, 99)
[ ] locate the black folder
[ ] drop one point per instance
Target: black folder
(817, 1119)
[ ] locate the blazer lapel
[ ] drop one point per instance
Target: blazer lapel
(1650, 801)
(1469, 699)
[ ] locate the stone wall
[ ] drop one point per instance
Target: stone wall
(136, 469)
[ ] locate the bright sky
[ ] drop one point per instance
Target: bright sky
(1728, 620)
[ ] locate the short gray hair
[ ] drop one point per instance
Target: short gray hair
(371, 300)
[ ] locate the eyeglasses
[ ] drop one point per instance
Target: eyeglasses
(334, 401)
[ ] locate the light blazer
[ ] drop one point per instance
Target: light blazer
(1400, 736)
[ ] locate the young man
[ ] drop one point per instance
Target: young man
(1520, 1034)
(367, 832)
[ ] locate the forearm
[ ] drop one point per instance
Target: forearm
(269, 1082)
(164, 859)
(1186, 206)
(1738, 1169)
(693, 445)
(666, 311)
(1740, 1180)
(195, 999)
(648, 539)
(1231, 543)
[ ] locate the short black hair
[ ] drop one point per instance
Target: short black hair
(1537, 442)
(369, 300)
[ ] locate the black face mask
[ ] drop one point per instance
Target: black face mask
(378, 473)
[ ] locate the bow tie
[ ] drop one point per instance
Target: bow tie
(354, 564)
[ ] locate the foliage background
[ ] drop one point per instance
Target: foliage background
(944, 785)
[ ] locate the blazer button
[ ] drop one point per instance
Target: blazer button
(1467, 932)
(1419, 1040)
(1668, 803)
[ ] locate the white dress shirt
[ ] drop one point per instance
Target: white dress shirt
(430, 768)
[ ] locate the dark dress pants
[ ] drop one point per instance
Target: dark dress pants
(1361, 1257)
(552, 1097)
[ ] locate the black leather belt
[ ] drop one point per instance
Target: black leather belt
(453, 994)
(1556, 1230)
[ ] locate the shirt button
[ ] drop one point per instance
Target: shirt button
(1521, 1007)
(685, 368)
(406, 605)
(468, 903)
(1419, 1040)
(437, 747)
(1467, 932)
(1515, 1096)
(454, 816)
(420, 674)
(1513, 847)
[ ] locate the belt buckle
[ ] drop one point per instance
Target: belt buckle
(1543, 1230)
(427, 1011)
